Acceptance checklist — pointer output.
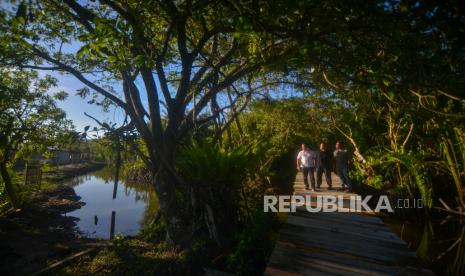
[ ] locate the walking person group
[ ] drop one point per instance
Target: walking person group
(309, 162)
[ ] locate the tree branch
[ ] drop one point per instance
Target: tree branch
(79, 76)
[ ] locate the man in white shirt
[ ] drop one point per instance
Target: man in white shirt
(306, 160)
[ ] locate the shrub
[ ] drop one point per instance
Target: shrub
(215, 179)
(254, 244)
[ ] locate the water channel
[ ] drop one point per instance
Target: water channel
(110, 209)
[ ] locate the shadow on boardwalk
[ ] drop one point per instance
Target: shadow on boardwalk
(339, 243)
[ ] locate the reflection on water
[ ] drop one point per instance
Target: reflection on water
(111, 207)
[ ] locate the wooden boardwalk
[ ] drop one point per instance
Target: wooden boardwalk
(339, 243)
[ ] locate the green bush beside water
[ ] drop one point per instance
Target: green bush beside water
(254, 244)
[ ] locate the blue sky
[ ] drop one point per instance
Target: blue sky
(75, 106)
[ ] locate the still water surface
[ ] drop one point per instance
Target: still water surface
(131, 205)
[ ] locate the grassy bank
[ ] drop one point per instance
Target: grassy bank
(148, 254)
(60, 173)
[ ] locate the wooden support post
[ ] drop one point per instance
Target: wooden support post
(112, 229)
(115, 189)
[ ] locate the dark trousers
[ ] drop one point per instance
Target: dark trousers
(306, 172)
(343, 174)
(319, 172)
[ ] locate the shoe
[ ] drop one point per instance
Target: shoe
(312, 190)
(306, 187)
(330, 188)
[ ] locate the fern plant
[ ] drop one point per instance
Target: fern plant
(215, 177)
(403, 174)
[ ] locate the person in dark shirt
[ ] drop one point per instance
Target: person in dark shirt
(323, 165)
(342, 165)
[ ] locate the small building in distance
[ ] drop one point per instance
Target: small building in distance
(62, 157)
(53, 157)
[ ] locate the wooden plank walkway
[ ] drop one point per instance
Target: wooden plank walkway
(339, 243)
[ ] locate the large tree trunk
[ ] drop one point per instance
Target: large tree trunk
(171, 206)
(9, 185)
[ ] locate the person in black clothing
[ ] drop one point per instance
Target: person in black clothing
(323, 165)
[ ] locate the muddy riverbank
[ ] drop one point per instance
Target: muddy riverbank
(38, 234)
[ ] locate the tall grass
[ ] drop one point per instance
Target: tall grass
(453, 149)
